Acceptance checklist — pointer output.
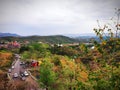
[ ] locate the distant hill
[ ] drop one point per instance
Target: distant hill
(68, 38)
(8, 34)
(47, 39)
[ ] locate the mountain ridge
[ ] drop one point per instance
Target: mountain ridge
(8, 34)
(46, 39)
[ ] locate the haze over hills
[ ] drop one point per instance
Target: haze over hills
(8, 34)
(80, 35)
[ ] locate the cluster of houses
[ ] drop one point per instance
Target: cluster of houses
(10, 45)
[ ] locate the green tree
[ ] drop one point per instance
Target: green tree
(47, 75)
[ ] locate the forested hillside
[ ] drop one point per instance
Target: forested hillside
(46, 39)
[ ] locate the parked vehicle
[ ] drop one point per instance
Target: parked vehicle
(22, 63)
(9, 70)
(13, 67)
(26, 73)
(15, 75)
(22, 74)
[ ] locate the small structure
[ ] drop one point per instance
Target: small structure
(34, 63)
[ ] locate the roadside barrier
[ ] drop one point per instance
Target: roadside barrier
(31, 75)
(8, 75)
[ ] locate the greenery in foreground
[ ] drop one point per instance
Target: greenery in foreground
(78, 67)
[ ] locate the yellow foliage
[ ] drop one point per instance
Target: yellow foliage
(80, 70)
(63, 62)
(68, 63)
(4, 56)
(103, 43)
(5, 59)
(83, 76)
(71, 65)
(40, 62)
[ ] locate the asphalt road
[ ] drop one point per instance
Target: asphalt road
(32, 84)
(17, 68)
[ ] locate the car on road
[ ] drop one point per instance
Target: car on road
(22, 77)
(9, 70)
(21, 73)
(22, 63)
(15, 75)
(26, 73)
(13, 67)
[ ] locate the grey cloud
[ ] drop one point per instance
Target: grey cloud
(73, 13)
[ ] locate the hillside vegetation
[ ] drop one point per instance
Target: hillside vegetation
(46, 39)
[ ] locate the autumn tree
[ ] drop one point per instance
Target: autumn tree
(107, 76)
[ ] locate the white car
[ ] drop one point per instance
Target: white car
(15, 75)
(9, 70)
(13, 67)
(26, 73)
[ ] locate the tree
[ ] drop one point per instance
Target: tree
(109, 46)
(47, 75)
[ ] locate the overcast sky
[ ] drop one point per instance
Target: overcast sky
(50, 17)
